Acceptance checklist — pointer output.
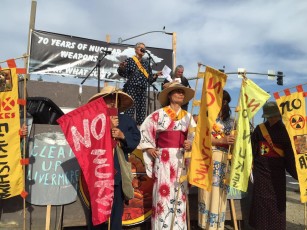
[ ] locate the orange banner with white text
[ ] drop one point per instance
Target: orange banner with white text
(11, 173)
(292, 107)
(200, 171)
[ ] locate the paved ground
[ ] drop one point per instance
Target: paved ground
(295, 215)
(295, 212)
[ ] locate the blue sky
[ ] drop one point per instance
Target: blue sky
(258, 35)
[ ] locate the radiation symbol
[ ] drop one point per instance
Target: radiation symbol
(297, 121)
(264, 149)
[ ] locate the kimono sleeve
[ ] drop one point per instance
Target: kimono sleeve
(148, 140)
(132, 134)
(125, 73)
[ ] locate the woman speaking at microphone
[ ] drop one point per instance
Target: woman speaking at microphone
(136, 70)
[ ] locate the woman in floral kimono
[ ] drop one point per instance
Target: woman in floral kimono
(164, 138)
(212, 205)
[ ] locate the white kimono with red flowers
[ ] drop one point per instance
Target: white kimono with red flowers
(166, 133)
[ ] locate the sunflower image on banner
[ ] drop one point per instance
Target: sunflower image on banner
(11, 173)
(293, 110)
(252, 98)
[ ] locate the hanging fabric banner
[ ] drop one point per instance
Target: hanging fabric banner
(87, 130)
(293, 110)
(11, 173)
(200, 172)
(70, 56)
(252, 98)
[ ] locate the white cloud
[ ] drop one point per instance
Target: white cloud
(257, 35)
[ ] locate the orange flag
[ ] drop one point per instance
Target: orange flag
(200, 171)
(11, 173)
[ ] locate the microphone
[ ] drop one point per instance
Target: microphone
(143, 51)
(106, 51)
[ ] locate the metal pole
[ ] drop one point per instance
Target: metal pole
(265, 74)
(120, 40)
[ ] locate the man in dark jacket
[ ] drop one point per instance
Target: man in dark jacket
(178, 77)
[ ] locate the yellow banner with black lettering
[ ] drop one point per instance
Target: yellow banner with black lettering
(200, 171)
(11, 173)
(292, 107)
(252, 98)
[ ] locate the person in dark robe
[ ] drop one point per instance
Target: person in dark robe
(124, 131)
(138, 73)
(268, 208)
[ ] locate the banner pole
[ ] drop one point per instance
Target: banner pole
(108, 38)
(27, 76)
(174, 46)
(229, 157)
(184, 158)
(48, 215)
(24, 148)
(31, 27)
(21, 57)
(233, 214)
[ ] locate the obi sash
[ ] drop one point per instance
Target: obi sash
(171, 139)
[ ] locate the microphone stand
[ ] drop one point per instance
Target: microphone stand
(98, 64)
(150, 77)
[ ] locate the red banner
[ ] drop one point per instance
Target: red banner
(87, 131)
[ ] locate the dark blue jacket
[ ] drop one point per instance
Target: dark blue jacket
(132, 139)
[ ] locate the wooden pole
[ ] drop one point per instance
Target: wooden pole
(48, 215)
(188, 212)
(233, 214)
(174, 47)
(108, 38)
(31, 27)
(24, 145)
(184, 158)
(109, 224)
(229, 156)
(26, 76)
(21, 57)
(231, 202)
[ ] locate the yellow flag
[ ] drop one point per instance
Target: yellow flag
(252, 98)
(293, 110)
(200, 171)
(11, 173)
